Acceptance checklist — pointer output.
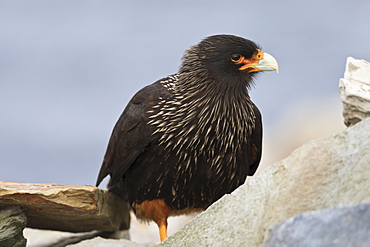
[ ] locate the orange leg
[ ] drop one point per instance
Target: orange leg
(162, 226)
(156, 210)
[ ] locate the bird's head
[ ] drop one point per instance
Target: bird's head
(228, 59)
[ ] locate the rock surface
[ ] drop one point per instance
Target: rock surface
(101, 242)
(355, 91)
(49, 238)
(73, 208)
(321, 174)
(341, 227)
(12, 223)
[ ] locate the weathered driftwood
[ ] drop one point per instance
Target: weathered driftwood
(73, 208)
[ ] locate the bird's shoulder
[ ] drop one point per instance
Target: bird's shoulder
(149, 95)
(136, 111)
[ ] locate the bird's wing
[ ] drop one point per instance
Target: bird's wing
(131, 134)
(256, 139)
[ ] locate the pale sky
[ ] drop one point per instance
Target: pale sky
(68, 68)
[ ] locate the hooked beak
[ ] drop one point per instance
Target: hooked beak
(261, 61)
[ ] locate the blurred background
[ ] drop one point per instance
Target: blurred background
(68, 69)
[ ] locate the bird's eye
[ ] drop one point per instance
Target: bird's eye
(236, 58)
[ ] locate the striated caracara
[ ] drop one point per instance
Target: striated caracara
(189, 138)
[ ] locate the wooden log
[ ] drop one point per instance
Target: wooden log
(73, 208)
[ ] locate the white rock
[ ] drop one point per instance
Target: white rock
(358, 70)
(355, 91)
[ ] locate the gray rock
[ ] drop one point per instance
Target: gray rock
(12, 223)
(101, 242)
(341, 227)
(321, 174)
(47, 238)
(355, 91)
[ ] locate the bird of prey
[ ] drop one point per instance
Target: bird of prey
(188, 139)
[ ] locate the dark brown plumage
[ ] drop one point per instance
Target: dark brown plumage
(188, 139)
